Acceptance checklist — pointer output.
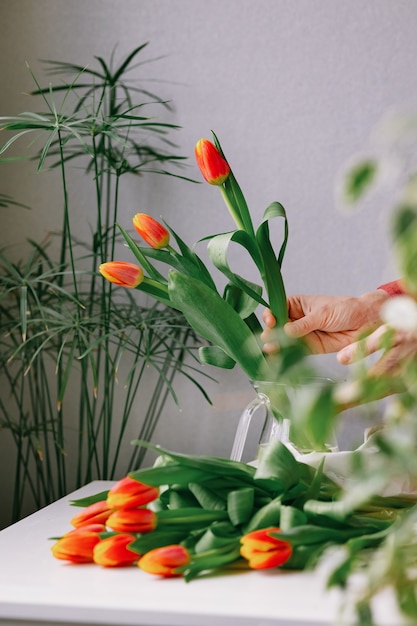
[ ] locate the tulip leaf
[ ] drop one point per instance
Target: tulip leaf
(240, 505)
(213, 560)
(277, 466)
(218, 248)
(210, 466)
(272, 266)
(192, 517)
(241, 301)
(268, 515)
(215, 320)
(290, 517)
(147, 266)
(218, 535)
(169, 475)
(182, 264)
(189, 254)
(206, 497)
(97, 497)
(158, 538)
(213, 355)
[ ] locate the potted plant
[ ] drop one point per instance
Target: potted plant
(65, 339)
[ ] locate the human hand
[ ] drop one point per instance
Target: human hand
(327, 323)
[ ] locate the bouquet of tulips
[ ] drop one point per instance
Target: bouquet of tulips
(190, 514)
(227, 321)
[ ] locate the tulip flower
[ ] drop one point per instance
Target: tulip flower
(165, 561)
(263, 551)
(132, 520)
(155, 235)
(129, 494)
(77, 546)
(114, 551)
(96, 513)
(122, 273)
(213, 166)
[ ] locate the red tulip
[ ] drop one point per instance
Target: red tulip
(165, 561)
(114, 551)
(213, 166)
(96, 513)
(151, 231)
(132, 520)
(122, 273)
(77, 546)
(263, 551)
(129, 494)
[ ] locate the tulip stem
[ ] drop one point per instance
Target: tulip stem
(232, 210)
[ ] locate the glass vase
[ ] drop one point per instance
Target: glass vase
(269, 416)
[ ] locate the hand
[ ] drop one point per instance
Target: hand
(402, 349)
(328, 323)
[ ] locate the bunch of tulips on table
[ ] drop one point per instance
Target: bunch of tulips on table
(191, 514)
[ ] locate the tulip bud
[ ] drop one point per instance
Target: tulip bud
(114, 551)
(165, 561)
(96, 513)
(122, 273)
(155, 235)
(132, 520)
(77, 546)
(263, 551)
(213, 166)
(129, 494)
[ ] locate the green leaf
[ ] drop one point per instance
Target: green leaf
(242, 302)
(272, 269)
(158, 538)
(277, 468)
(291, 517)
(215, 320)
(359, 179)
(219, 534)
(169, 475)
(268, 515)
(98, 497)
(213, 355)
(192, 517)
(210, 466)
(240, 505)
(218, 248)
(206, 497)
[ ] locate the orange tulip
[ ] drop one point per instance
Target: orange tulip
(96, 513)
(213, 166)
(77, 546)
(132, 520)
(122, 273)
(263, 551)
(114, 551)
(165, 561)
(155, 235)
(129, 494)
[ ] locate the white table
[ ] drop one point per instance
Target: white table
(36, 588)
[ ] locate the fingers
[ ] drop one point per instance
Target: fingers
(362, 348)
(268, 318)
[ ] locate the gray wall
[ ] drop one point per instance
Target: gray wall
(293, 89)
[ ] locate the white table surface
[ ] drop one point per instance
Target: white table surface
(37, 588)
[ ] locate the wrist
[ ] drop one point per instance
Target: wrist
(372, 302)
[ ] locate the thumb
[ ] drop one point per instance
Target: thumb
(302, 326)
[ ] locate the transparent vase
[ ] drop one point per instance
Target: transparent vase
(269, 416)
